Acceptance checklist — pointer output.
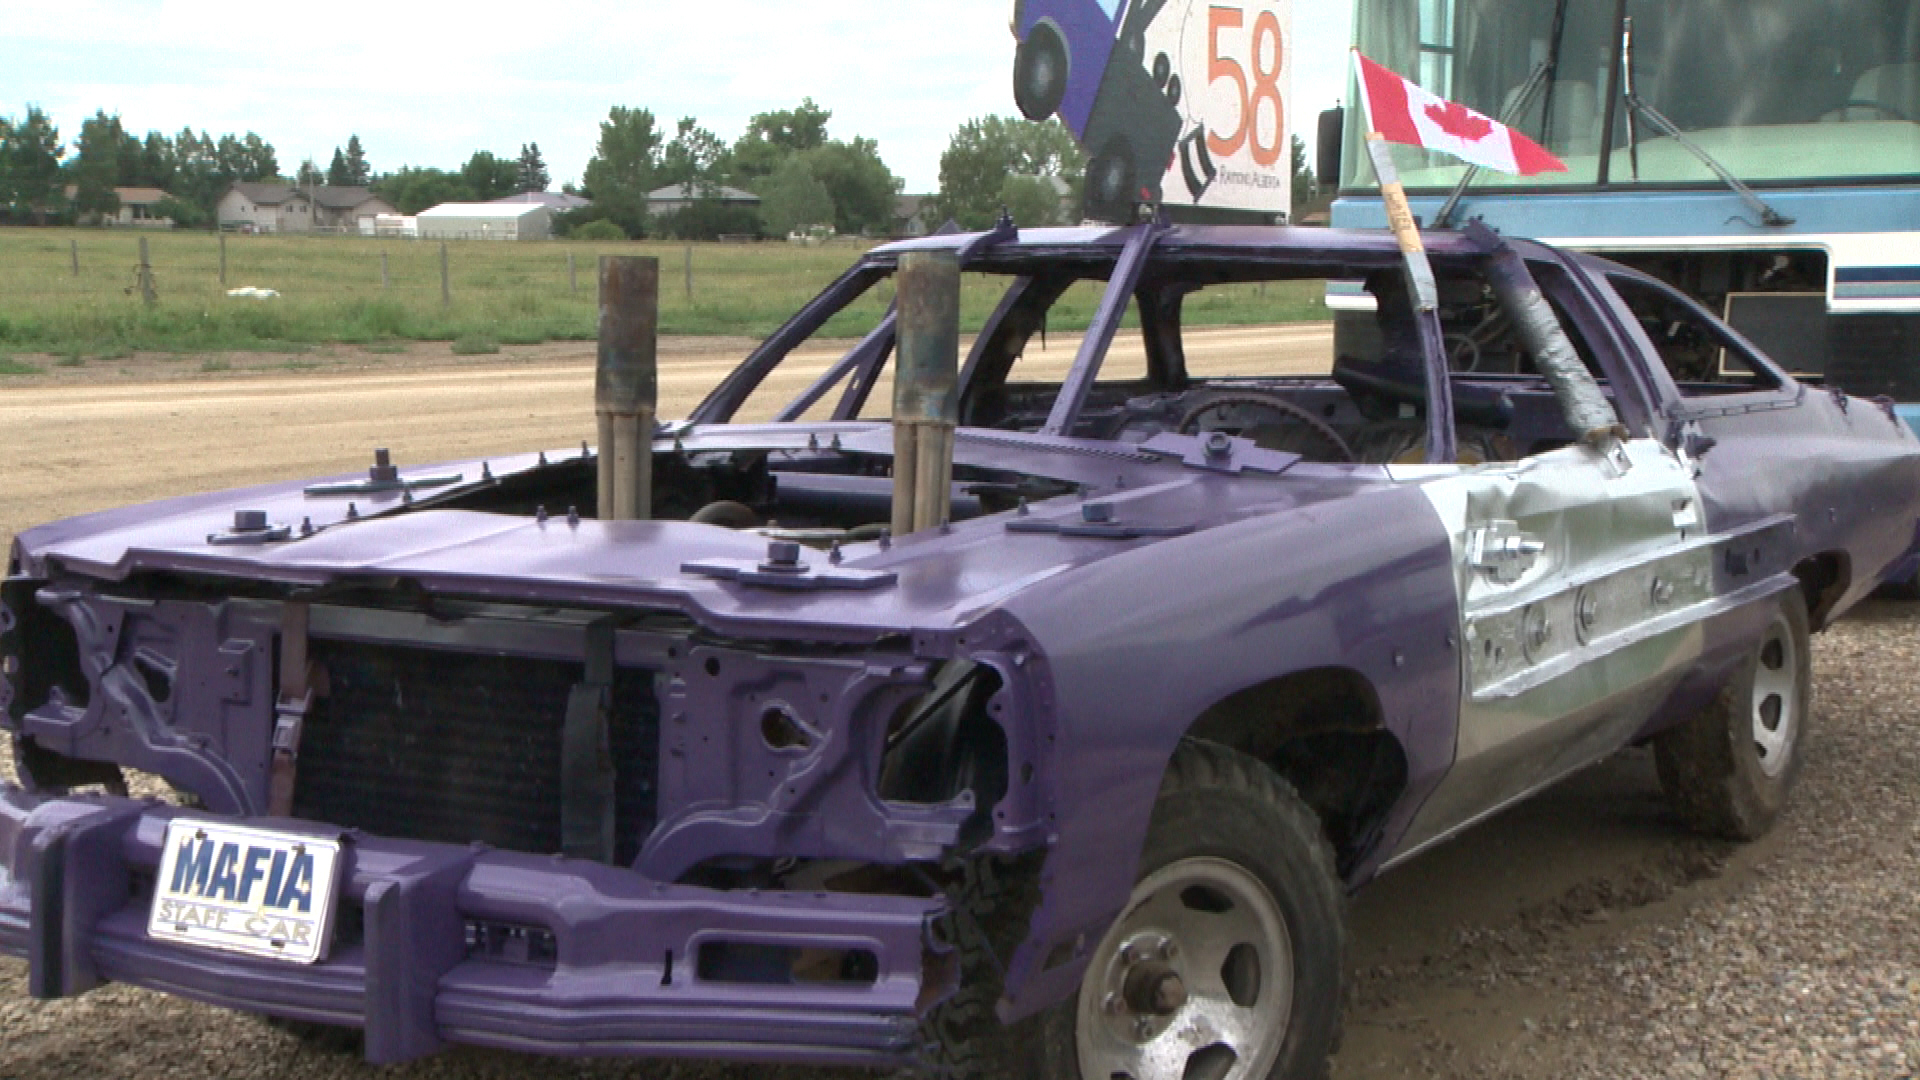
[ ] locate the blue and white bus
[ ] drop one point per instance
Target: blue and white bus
(1762, 155)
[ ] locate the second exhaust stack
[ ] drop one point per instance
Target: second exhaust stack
(926, 389)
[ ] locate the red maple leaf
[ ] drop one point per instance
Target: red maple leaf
(1459, 121)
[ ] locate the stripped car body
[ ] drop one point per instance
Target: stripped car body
(805, 753)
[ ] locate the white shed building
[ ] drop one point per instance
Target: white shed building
(486, 221)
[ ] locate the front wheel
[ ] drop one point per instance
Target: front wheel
(1228, 960)
(1727, 770)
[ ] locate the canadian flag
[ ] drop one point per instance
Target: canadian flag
(1403, 112)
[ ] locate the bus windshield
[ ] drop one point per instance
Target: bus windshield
(1778, 91)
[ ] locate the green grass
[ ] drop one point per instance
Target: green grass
(475, 345)
(10, 366)
(512, 294)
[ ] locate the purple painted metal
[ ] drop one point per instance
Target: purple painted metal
(1231, 571)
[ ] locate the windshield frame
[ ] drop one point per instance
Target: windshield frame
(1606, 173)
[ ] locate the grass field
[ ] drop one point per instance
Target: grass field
(331, 292)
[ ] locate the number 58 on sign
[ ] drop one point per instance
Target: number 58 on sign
(1174, 101)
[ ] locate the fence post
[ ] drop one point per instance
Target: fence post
(75, 241)
(689, 273)
(223, 259)
(573, 278)
(627, 385)
(146, 275)
(446, 286)
(385, 281)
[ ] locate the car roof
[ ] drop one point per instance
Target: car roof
(1263, 242)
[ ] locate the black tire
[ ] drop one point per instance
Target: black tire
(1041, 67)
(1111, 194)
(1726, 770)
(1221, 812)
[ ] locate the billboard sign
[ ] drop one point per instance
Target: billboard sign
(1175, 102)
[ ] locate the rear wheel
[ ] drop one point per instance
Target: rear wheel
(1728, 769)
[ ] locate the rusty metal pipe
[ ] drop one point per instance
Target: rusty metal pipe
(926, 389)
(626, 385)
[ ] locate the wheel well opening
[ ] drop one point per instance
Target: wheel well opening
(1322, 731)
(1823, 580)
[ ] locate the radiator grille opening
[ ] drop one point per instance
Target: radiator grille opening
(454, 748)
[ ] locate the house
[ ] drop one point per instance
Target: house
(556, 201)
(348, 209)
(136, 208)
(265, 208)
(486, 221)
(915, 215)
(677, 197)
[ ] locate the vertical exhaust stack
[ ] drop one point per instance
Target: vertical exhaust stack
(926, 389)
(626, 387)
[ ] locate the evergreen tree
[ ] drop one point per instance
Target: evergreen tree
(30, 176)
(338, 174)
(309, 175)
(96, 170)
(358, 173)
(533, 171)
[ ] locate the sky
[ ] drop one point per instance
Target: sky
(428, 82)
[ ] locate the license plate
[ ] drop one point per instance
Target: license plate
(246, 890)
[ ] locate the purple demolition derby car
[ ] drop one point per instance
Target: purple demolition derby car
(1074, 785)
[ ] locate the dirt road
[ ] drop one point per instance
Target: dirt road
(1498, 955)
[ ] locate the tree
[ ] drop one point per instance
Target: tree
(310, 174)
(30, 154)
(624, 169)
(413, 190)
(185, 215)
(864, 190)
(532, 170)
(96, 169)
(695, 157)
(794, 198)
(256, 160)
(1033, 201)
(1306, 185)
(984, 152)
(773, 137)
(358, 173)
(489, 177)
(158, 165)
(338, 174)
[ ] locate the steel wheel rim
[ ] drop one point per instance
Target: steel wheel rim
(1776, 699)
(1217, 931)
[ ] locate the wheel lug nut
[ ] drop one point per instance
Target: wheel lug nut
(1126, 954)
(1142, 1028)
(1113, 1004)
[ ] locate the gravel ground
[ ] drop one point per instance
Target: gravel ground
(1797, 957)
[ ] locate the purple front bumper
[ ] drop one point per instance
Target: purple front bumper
(621, 975)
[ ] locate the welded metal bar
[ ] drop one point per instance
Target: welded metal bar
(926, 388)
(626, 387)
(1441, 447)
(879, 338)
(1584, 405)
(1106, 323)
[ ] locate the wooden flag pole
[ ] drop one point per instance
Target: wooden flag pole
(1441, 445)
